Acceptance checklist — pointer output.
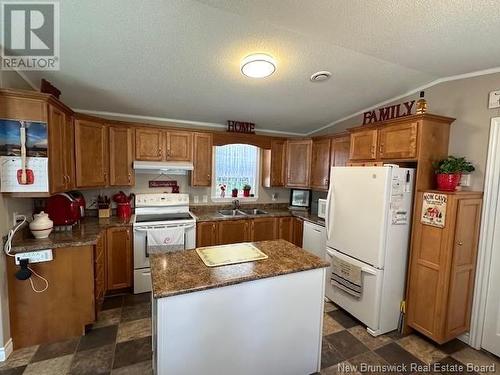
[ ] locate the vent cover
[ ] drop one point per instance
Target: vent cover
(320, 76)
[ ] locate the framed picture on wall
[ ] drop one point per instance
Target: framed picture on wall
(300, 198)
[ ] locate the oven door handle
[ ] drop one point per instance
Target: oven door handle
(183, 226)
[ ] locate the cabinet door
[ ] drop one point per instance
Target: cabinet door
(57, 149)
(264, 229)
(179, 146)
(99, 270)
(298, 231)
(463, 267)
(149, 144)
(202, 160)
(119, 258)
(339, 154)
(320, 166)
(120, 156)
(286, 228)
(398, 141)
(233, 231)
(363, 145)
(298, 163)
(206, 233)
(91, 149)
(278, 162)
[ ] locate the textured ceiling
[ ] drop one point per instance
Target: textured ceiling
(179, 59)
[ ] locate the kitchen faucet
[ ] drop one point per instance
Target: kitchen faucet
(236, 204)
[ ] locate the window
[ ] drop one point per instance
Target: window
(235, 166)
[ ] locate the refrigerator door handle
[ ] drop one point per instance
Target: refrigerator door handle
(329, 199)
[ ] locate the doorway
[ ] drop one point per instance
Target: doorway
(485, 324)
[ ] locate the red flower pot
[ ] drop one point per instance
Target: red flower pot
(448, 182)
(246, 193)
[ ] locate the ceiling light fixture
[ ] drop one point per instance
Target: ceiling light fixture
(322, 75)
(258, 65)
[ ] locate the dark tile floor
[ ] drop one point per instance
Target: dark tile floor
(120, 343)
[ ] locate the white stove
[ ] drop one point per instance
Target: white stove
(155, 212)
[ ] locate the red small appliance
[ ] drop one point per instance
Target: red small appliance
(63, 209)
(80, 199)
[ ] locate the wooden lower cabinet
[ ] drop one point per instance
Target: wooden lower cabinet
(264, 229)
(233, 231)
(119, 258)
(206, 233)
(285, 228)
(60, 312)
(100, 271)
(298, 231)
(442, 268)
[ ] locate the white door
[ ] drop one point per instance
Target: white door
(356, 220)
(491, 330)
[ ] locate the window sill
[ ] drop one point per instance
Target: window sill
(230, 199)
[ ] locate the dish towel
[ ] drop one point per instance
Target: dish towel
(164, 240)
(347, 276)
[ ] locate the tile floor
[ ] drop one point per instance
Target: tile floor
(120, 343)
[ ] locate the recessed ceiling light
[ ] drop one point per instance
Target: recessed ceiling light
(322, 75)
(258, 65)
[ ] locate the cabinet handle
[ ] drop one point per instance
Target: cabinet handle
(208, 176)
(106, 177)
(128, 235)
(129, 178)
(326, 181)
(159, 152)
(460, 243)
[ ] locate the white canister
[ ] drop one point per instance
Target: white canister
(41, 226)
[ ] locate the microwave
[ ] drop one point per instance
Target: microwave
(322, 208)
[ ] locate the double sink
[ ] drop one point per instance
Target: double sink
(242, 212)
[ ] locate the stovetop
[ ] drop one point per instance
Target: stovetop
(153, 218)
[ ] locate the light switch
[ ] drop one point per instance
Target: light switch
(196, 199)
(494, 101)
(205, 199)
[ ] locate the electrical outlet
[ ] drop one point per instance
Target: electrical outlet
(465, 180)
(205, 199)
(16, 218)
(274, 196)
(35, 256)
(196, 199)
(494, 100)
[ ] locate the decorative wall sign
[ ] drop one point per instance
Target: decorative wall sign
(388, 113)
(434, 209)
(159, 183)
(240, 127)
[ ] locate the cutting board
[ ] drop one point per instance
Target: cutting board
(223, 255)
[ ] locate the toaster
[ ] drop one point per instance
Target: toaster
(63, 209)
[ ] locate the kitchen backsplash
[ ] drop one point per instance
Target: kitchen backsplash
(200, 194)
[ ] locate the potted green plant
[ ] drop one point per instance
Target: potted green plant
(246, 190)
(449, 171)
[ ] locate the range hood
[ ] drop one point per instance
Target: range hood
(165, 167)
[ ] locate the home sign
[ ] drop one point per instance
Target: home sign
(240, 127)
(388, 113)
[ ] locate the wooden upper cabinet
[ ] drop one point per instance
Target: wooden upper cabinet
(320, 165)
(149, 144)
(119, 258)
(207, 233)
(442, 268)
(91, 153)
(339, 151)
(61, 150)
(202, 159)
(233, 231)
(264, 229)
(179, 145)
(398, 141)
(363, 145)
(299, 153)
(121, 156)
(278, 163)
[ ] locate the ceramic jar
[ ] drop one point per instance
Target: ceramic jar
(41, 226)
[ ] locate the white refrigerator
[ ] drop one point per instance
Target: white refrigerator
(368, 219)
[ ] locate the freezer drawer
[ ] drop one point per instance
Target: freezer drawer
(367, 307)
(142, 280)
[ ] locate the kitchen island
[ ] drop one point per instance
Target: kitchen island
(261, 317)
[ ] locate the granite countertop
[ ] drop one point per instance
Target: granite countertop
(184, 272)
(83, 234)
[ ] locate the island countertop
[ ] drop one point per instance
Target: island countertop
(184, 272)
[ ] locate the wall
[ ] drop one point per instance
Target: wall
(7, 207)
(467, 101)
